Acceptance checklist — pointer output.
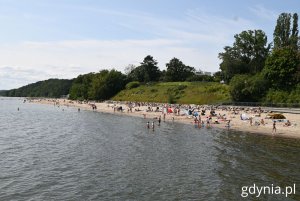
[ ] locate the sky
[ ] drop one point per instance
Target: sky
(42, 39)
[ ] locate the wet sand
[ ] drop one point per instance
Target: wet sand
(236, 123)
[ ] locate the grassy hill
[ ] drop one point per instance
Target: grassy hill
(177, 92)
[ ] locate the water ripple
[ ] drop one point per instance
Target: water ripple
(50, 154)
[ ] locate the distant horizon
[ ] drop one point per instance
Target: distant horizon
(62, 39)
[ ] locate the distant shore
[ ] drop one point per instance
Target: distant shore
(240, 118)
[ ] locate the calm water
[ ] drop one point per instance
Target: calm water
(50, 154)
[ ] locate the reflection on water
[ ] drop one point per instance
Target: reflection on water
(50, 154)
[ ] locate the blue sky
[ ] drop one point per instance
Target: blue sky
(42, 39)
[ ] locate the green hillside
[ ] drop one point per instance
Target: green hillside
(177, 92)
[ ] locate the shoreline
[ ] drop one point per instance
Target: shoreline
(236, 123)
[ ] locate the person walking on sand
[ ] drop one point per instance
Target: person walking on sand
(274, 127)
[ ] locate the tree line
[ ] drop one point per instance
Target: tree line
(53, 88)
(107, 83)
(266, 72)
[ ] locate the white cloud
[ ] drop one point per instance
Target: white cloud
(196, 40)
(264, 13)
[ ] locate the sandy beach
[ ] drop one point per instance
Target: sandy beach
(239, 118)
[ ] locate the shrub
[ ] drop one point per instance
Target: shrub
(132, 85)
(171, 99)
(181, 87)
(276, 96)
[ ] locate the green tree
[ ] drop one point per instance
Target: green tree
(286, 35)
(281, 68)
(80, 86)
(177, 71)
(129, 69)
(150, 68)
(247, 88)
(97, 88)
(106, 84)
(237, 88)
(148, 71)
(246, 56)
(295, 38)
(137, 74)
(218, 76)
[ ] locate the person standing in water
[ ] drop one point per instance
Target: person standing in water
(228, 124)
(274, 128)
(207, 123)
(148, 125)
(199, 124)
(159, 120)
(153, 125)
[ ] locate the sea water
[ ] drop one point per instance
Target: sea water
(57, 153)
